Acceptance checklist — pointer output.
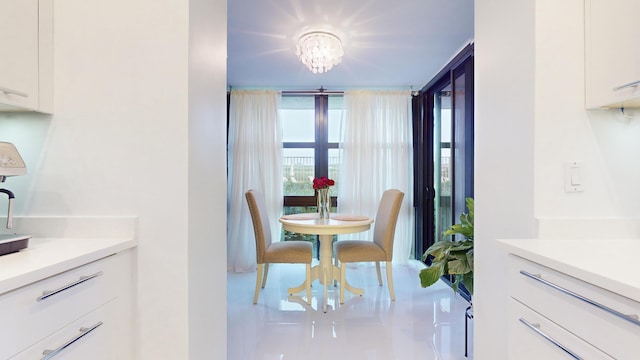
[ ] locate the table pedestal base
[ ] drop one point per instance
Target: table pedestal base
(326, 272)
(326, 278)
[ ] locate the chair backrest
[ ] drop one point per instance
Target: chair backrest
(386, 219)
(260, 219)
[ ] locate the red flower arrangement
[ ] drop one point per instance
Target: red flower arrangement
(322, 182)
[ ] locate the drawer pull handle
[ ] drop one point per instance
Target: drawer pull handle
(48, 354)
(536, 328)
(8, 91)
(631, 84)
(633, 318)
(49, 293)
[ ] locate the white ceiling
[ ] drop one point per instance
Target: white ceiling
(387, 43)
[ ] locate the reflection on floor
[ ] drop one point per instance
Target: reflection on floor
(421, 323)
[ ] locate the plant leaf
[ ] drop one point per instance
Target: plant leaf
(453, 257)
(459, 265)
(462, 229)
(470, 257)
(455, 285)
(461, 246)
(468, 281)
(438, 248)
(430, 275)
(470, 204)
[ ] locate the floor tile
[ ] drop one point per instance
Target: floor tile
(421, 323)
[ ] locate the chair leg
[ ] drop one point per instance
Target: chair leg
(266, 272)
(309, 284)
(336, 264)
(258, 278)
(343, 276)
(379, 275)
(390, 281)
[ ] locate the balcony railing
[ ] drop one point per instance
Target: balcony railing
(298, 173)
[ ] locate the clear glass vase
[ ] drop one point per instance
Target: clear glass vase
(324, 203)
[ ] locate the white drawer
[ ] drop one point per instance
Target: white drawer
(95, 336)
(534, 337)
(32, 320)
(578, 307)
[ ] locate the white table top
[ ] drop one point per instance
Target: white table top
(309, 223)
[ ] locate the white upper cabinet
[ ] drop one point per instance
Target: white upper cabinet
(26, 55)
(612, 53)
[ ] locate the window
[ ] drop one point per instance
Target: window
(311, 126)
(311, 133)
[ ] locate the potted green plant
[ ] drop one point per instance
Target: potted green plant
(452, 257)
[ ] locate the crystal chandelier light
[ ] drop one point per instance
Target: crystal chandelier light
(319, 51)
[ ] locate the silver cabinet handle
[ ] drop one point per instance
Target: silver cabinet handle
(536, 328)
(48, 354)
(13, 92)
(631, 84)
(633, 318)
(49, 293)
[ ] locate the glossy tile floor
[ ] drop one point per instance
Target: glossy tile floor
(420, 324)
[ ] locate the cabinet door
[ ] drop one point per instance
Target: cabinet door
(577, 306)
(95, 284)
(612, 53)
(19, 53)
(96, 336)
(534, 337)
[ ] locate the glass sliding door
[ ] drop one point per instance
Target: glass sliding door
(442, 161)
(462, 144)
(444, 174)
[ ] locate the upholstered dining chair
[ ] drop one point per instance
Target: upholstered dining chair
(268, 252)
(380, 249)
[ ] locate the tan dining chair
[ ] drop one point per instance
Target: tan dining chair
(268, 252)
(380, 249)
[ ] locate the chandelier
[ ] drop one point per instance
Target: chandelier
(319, 51)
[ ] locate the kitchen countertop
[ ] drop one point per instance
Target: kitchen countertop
(611, 264)
(45, 257)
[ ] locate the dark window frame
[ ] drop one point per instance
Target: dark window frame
(423, 123)
(321, 145)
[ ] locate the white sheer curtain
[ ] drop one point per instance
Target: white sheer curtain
(378, 155)
(255, 162)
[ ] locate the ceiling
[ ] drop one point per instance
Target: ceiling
(387, 44)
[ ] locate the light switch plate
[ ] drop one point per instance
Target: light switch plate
(573, 176)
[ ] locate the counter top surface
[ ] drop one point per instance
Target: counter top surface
(611, 264)
(45, 257)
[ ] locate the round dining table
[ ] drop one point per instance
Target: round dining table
(310, 223)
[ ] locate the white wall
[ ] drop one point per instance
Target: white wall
(504, 126)
(207, 179)
(530, 119)
(138, 129)
(602, 139)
